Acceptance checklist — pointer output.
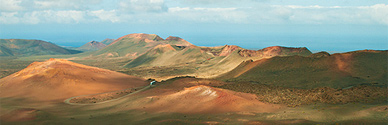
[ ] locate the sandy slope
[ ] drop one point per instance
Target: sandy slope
(191, 96)
(205, 99)
(57, 79)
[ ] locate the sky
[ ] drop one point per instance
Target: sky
(320, 25)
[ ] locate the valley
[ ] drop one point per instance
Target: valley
(108, 82)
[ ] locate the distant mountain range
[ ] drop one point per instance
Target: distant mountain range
(134, 45)
(150, 56)
(22, 47)
(221, 85)
(150, 50)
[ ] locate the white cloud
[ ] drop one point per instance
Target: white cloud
(140, 6)
(10, 5)
(315, 14)
(177, 9)
(215, 9)
(49, 16)
(157, 11)
(106, 15)
(379, 12)
(65, 4)
(210, 15)
(9, 18)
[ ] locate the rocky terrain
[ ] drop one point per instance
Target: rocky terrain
(296, 97)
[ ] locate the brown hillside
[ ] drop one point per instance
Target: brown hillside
(164, 48)
(205, 99)
(318, 70)
(178, 41)
(202, 62)
(195, 96)
(236, 55)
(140, 36)
(92, 46)
(275, 51)
(57, 79)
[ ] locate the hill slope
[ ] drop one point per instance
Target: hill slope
(206, 99)
(92, 46)
(4, 51)
(203, 62)
(58, 79)
(107, 41)
(318, 70)
(168, 55)
(22, 47)
(233, 56)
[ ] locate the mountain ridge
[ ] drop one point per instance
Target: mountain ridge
(26, 47)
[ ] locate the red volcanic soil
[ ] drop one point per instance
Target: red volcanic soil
(228, 49)
(140, 36)
(58, 79)
(206, 99)
(195, 96)
(182, 41)
(164, 47)
(274, 51)
(24, 114)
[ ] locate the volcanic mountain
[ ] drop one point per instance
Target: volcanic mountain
(232, 56)
(169, 55)
(193, 96)
(91, 46)
(22, 47)
(57, 79)
(107, 41)
(318, 70)
(207, 61)
(134, 45)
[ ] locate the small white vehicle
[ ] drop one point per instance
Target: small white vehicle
(152, 83)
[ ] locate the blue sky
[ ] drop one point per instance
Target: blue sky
(329, 25)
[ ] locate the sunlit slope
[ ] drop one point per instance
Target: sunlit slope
(170, 55)
(191, 96)
(58, 79)
(236, 56)
(206, 99)
(318, 70)
(206, 62)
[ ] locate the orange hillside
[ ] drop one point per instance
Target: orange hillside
(58, 79)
